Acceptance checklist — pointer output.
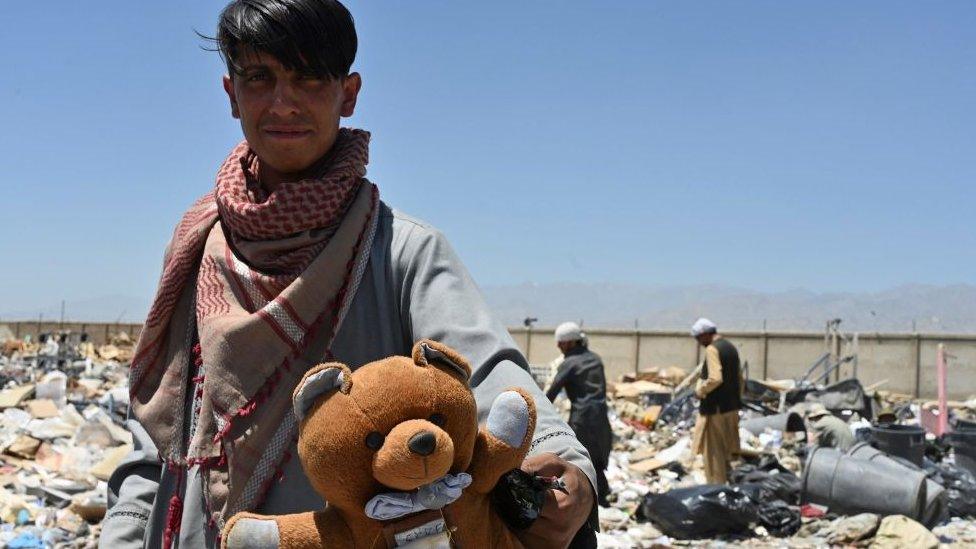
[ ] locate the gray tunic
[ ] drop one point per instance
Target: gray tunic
(832, 432)
(414, 287)
(581, 375)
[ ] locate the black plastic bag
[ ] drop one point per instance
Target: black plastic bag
(843, 395)
(676, 468)
(777, 482)
(757, 392)
(775, 515)
(937, 449)
(700, 512)
(960, 486)
(518, 498)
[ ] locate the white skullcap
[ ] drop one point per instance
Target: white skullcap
(703, 326)
(568, 331)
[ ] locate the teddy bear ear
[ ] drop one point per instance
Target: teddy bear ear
(426, 352)
(318, 382)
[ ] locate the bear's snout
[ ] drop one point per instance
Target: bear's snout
(423, 443)
(415, 452)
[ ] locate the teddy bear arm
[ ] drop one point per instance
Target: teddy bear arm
(504, 440)
(311, 530)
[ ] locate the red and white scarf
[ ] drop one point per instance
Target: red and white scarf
(249, 283)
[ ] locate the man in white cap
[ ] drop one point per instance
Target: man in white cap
(581, 374)
(716, 434)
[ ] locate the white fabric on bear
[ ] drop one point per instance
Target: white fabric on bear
(253, 534)
(441, 492)
(508, 418)
(316, 385)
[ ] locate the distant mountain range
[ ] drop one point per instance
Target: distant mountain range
(931, 308)
(109, 308)
(927, 308)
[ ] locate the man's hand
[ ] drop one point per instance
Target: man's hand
(563, 514)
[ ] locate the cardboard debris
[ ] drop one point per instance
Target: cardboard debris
(61, 437)
(651, 415)
(71, 522)
(104, 469)
(647, 466)
(24, 447)
(109, 352)
(90, 506)
(50, 428)
(777, 385)
(642, 454)
(637, 388)
(48, 457)
(669, 375)
(15, 395)
(89, 387)
(42, 408)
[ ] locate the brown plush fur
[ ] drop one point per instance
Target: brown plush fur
(397, 397)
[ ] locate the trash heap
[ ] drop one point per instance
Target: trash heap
(63, 402)
(62, 407)
(897, 486)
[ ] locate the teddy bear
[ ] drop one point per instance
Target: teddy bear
(396, 450)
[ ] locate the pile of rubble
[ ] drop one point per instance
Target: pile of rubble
(62, 404)
(660, 497)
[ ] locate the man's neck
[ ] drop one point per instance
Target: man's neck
(270, 179)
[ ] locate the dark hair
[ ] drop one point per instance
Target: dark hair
(315, 36)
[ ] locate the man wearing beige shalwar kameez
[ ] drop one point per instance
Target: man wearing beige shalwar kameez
(716, 434)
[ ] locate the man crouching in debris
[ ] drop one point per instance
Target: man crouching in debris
(716, 434)
(827, 430)
(291, 260)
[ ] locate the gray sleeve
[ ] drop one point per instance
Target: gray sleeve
(562, 374)
(439, 300)
(131, 492)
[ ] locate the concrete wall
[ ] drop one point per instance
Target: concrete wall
(98, 332)
(905, 361)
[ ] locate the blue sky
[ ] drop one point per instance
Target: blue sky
(768, 145)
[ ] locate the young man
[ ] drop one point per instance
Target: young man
(716, 433)
(291, 260)
(581, 374)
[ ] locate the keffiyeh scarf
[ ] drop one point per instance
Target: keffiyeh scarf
(249, 281)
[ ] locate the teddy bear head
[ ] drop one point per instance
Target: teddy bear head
(397, 423)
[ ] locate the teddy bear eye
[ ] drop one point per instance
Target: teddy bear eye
(374, 440)
(437, 419)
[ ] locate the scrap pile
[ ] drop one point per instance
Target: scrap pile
(62, 405)
(63, 402)
(897, 486)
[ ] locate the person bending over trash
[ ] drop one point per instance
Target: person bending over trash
(581, 374)
(827, 430)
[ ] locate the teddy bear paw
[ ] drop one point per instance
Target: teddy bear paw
(253, 533)
(508, 419)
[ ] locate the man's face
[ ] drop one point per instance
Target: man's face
(705, 339)
(290, 119)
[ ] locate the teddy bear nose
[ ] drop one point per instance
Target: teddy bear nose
(422, 443)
